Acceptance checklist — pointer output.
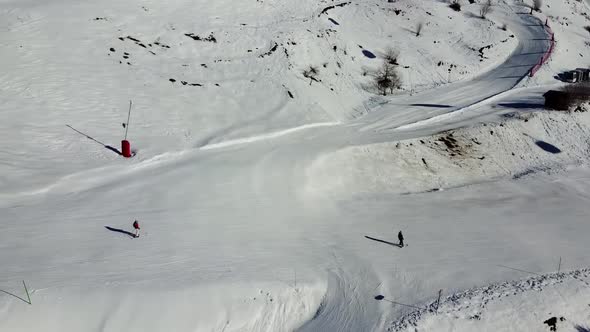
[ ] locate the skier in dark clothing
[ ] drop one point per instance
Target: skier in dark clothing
(400, 237)
(136, 226)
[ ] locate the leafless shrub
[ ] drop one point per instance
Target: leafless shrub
(587, 28)
(419, 28)
(537, 4)
(390, 55)
(455, 5)
(386, 79)
(504, 27)
(311, 72)
(485, 8)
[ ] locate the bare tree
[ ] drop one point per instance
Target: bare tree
(390, 55)
(419, 28)
(537, 4)
(311, 72)
(485, 8)
(386, 79)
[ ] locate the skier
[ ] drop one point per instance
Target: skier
(400, 236)
(136, 226)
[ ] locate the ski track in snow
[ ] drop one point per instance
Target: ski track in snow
(252, 139)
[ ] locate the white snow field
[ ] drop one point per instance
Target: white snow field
(271, 202)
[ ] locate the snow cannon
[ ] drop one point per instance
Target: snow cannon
(126, 148)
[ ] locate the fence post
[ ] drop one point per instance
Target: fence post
(438, 301)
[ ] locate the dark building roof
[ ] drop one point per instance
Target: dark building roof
(554, 93)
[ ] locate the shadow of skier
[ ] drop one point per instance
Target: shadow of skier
(383, 241)
(120, 231)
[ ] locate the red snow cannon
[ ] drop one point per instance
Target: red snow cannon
(126, 148)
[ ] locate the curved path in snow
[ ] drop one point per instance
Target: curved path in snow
(228, 211)
(532, 44)
(409, 112)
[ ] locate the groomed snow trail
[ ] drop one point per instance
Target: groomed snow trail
(234, 242)
(532, 43)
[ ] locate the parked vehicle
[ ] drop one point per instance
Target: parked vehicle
(571, 76)
(584, 74)
(575, 76)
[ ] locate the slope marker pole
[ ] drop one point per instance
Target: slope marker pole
(27, 291)
(128, 117)
(438, 301)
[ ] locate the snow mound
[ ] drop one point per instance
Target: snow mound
(516, 143)
(230, 307)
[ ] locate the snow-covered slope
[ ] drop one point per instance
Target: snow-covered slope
(569, 20)
(513, 143)
(239, 76)
(268, 203)
(550, 302)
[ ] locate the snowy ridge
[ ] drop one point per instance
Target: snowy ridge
(472, 304)
(243, 307)
(511, 144)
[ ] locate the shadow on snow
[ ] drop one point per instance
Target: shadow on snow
(383, 241)
(108, 147)
(120, 231)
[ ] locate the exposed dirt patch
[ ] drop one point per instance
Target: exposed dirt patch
(209, 38)
(453, 146)
(270, 52)
(327, 9)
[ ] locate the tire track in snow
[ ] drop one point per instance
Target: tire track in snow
(347, 302)
(257, 138)
(469, 113)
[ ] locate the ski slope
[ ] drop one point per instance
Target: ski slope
(254, 209)
(532, 43)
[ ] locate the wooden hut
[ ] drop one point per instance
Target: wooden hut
(557, 100)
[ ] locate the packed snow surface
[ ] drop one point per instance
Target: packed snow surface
(270, 201)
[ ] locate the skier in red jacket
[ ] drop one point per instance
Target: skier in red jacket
(136, 226)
